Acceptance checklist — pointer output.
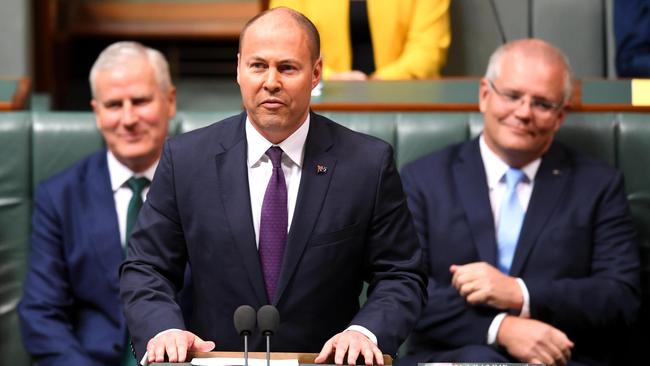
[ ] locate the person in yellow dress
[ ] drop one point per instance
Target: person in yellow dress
(410, 38)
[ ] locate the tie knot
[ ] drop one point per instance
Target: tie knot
(275, 154)
(137, 184)
(514, 176)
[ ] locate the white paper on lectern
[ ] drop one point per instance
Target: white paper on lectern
(235, 361)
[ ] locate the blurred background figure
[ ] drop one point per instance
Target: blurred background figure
(632, 32)
(70, 313)
(532, 251)
(379, 39)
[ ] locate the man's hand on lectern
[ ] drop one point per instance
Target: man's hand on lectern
(175, 343)
(354, 344)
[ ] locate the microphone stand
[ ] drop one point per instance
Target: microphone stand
(244, 319)
(245, 349)
(268, 349)
(268, 320)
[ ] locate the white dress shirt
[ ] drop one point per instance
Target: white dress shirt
(260, 169)
(495, 169)
(122, 194)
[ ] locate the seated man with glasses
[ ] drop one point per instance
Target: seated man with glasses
(531, 248)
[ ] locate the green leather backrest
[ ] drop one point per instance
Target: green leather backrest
(62, 138)
(194, 120)
(15, 206)
(380, 125)
(419, 134)
(591, 133)
(634, 160)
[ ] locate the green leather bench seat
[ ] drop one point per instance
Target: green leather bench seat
(15, 207)
(33, 146)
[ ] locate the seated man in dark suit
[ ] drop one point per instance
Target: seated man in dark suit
(277, 206)
(70, 312)
(531, 248)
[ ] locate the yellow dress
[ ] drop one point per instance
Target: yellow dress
(410, 38)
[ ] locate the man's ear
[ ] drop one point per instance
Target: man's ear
(171, 99)
(560, 118)
(238, 65)
(95, 106)
(317, 72)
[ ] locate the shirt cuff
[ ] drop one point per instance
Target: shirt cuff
(364, 331)
(525, 306)
(493, 330)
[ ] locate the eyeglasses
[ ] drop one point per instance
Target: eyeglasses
(540, 106)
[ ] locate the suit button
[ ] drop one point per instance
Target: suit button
(117, 347)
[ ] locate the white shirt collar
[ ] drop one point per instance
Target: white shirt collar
(120, 173)
(495, 168)
(293, 146)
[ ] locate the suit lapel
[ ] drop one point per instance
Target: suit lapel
(311, 194)
(550, 183)
(472, 188)
(232, 175)
(101, 217)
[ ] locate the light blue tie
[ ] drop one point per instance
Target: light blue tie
(511, 216)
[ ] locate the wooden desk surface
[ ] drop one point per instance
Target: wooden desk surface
(412, 95)
(303, 358)
(452, 94)
(457, 94)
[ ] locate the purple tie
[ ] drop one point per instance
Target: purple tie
(273, 223)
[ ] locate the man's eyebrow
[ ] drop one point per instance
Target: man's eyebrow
(521, 93)
(281, 61)
(289, 61)
(111, 101)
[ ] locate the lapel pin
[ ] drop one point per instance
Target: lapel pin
(557, 172)
(321, 169)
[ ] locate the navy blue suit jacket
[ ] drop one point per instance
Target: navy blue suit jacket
(351, 224)
(577, 251)
(70, 313)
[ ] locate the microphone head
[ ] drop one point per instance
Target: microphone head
(244, 320)
(268, 319)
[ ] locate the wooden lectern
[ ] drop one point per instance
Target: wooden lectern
(303, 358)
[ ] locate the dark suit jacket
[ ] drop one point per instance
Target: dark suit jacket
(350, 224)
(70, 313)
(577, 251)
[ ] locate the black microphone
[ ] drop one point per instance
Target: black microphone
(244, 320)
(268, 319)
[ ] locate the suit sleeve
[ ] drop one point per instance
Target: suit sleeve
(425, 49)
(154, 269)
(609, 297)
(393, 264)
(47, 307)
(447, 320)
